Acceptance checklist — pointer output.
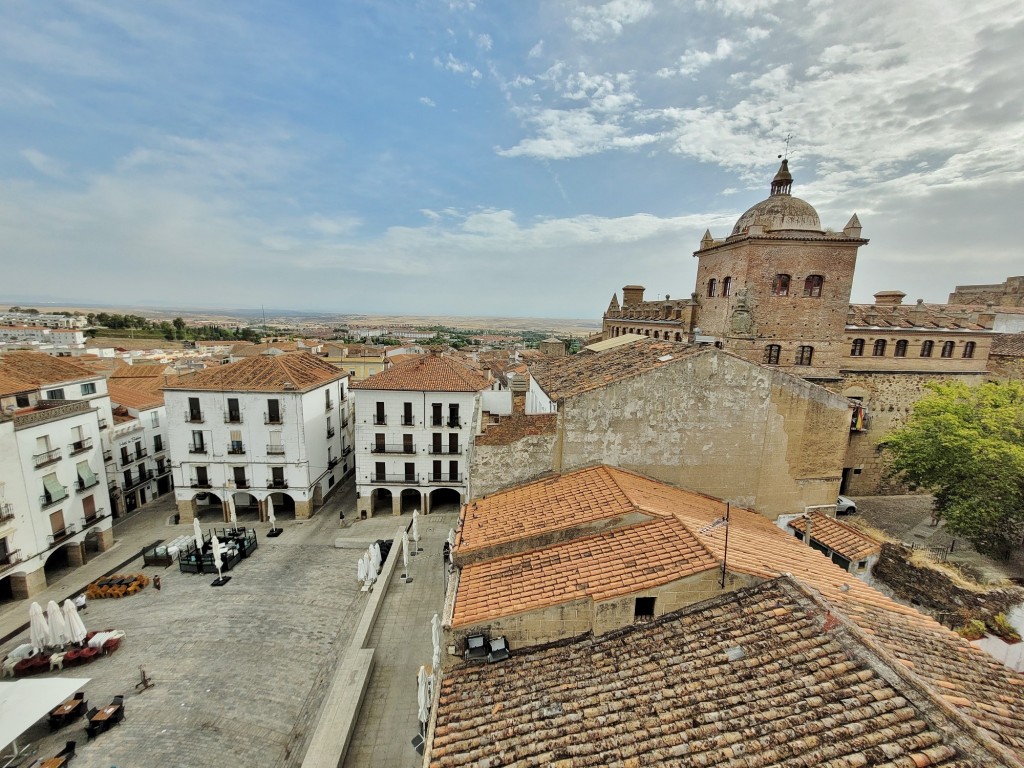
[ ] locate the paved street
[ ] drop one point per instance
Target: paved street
(241, 670)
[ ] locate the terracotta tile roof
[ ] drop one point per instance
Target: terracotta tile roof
(138, 397)
(838, 536)
(598, 567)
(39, 369)
(1008, 344)
(403, 358)
(545, 506)
(287, 372)
(427, 373)
(909, 316)
(140, 371)
(12, 385)
(568, 376)
(985, 691)
(516, 426)
(761, 677)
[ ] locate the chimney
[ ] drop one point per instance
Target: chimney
(632, 294)
(807, 533)
(889, 298)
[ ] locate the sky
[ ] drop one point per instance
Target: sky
(476, 157)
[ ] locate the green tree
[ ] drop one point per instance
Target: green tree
(966, 445)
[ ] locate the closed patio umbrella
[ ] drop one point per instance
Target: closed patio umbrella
(435, 636)
(38, 629)
(270, 514)
(361, 570)
(405, 550)
(422, 697)
(76, 628)
(232, 514)
(451, 538)
(378, 561)
(215, 545)
(371, 574)
(198, 533)
(416, 527)
(58, 631)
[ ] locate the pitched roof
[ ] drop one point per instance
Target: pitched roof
(568, 376)
(427, 373)
(248, 349)
(598, 567)
(138, 397)
(287, 372)
(985, 691)
(765, 676)
(837, 536)
(910, 316)
(38, 369)
(1008, 344)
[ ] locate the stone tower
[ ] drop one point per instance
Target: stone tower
(777, 289)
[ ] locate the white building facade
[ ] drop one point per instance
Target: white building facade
(275, 426)
(140, 464)
(414, 430)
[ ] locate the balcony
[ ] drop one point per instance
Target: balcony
(277, 483)
(197, 449)
(333, 462)
(399, 479)
(392, 448)
(58, 536)
(233, 417)
(80, 484)
(103, 423)
(236, 449)
(141, 453)
(275, 450)
(454, 423)
(142, 479)
(10, 559)
(80, 446)
(242, 484)
(108, 456)
(194, 417)
(445, 450)
(163, 469)
(46, 500)
(408, 421)
(272, 418)
(436, 421)
(329, 406)
(49, 457)
(379, 419)
(330, 432)
(346, 450)
(344, 423)
(96, 516)
(445, 477)
(200, 484)
(6, 512)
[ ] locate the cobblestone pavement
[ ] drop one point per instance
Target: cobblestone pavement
(240, 671)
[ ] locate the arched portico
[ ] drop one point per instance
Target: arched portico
(411, 501)
(284, 506)
(381, 501)
(199, 504)
(441, 499)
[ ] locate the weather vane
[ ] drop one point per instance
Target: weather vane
(788, 137)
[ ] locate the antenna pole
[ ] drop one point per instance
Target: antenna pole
(725, 552)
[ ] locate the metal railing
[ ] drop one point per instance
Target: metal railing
(275, 450)
(330, 432)
(392, 448)
(346, 450)
(108, 456)
(81, 486)
(103, 423)
(380, 419)
(6, 512)
(236, 450)
(10, 559)
(333, 462)
(47, 457)
(277, 483)
(270, 419)
(445, 450)
(58, 536)
(454, 423)
(233, 418)
(408, 421)
(329, 405)
(48, 501)
(445, 477)
(80, 445)
(197, 484)
(194, 417)
(197, 449)
(243, 484)
(400, 479)
(96, 516)
(143, 478)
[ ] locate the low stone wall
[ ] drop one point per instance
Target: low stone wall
(936, 593)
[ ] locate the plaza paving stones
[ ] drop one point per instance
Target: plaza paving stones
(240, 671)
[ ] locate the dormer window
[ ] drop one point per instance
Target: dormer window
(780, 286)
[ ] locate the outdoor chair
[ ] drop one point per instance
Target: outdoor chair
(57, 661)
(92, 729)
(68, 751)
(499, 650)
(91, 713)
(111, 645)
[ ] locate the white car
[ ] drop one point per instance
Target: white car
(845, 506)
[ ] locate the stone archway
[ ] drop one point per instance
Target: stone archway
(381, 501)
(410, 501)
(445, 500)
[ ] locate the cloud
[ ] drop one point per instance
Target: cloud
(484, 42)
(537, 51)
(693, 61)
(426, 100)
(43, 163)
(609, 20)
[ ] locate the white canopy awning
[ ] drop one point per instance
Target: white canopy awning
(23, 703)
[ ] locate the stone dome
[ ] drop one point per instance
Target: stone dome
(780, 211)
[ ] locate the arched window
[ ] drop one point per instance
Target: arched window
(712, 288)
(879, 349)
(901, 348)
(804, 355)
(679, 337)
(969, 349)
(647, 332)
(656, 334)
(857, 348)
(771, 354)
(780, 285)
(926, 348)
(727, 286)
(947, 348)
(812, 285)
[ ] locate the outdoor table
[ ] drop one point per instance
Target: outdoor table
(54, 762)
(66, 708)
(105, 714)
